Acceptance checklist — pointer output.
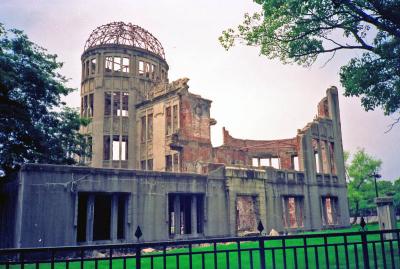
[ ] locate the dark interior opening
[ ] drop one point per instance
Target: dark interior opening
(121, 217)
(102, 217)
(82, 217)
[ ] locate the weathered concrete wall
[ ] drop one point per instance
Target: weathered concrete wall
(48, 209)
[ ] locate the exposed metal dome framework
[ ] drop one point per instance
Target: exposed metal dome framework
(124, 34)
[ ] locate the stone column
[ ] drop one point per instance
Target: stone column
(114, 218)
(194, 215)
(90, 218)
(386, 215)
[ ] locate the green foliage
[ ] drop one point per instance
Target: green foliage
(297, 31)
(31, 129)
(361, 188)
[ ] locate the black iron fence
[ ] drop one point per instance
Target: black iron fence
(365, 249)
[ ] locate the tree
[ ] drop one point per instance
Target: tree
(299, 31)
(361, 189)
(35, 125)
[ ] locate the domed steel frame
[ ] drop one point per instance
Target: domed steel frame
(124, 34)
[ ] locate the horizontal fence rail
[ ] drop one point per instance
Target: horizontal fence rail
(366, 249)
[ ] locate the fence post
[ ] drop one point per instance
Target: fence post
(262, 253)
(138, 257)
(364, 244)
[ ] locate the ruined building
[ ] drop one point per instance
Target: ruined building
(153, 164)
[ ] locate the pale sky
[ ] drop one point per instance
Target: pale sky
(253, 97)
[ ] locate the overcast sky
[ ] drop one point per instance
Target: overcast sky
(253, 97)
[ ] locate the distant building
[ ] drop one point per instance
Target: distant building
(153, 164)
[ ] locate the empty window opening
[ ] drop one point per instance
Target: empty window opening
(120, 148)
(295, 163)
(123, 110)
(150, 164)
(108, 66)
(176, 162)
(141, 68)
(329, 210)
(149, 126)
(332, 157)
(168, 163)
(168, 120)
(125, 65)
(325, 157)
(255, 162)
(147, 69)
(143, 129)
(143, 165)
(185, 213)
(153, 71)
(90, 109)
(107, 104)
(102, 217)
(275, 163)
(87, 68)
(121, 217)
(117, 64)
(85, 105)
(264, 162)
(175, 121)
(106, 147)
(89, 148)
(116, 103)
(93, 66)
(293, 211)
(246, 214)
(317, 166)
(82, 217)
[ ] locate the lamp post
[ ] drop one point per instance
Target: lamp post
(375, 175)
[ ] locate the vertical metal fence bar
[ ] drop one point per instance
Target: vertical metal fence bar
(138, 257)
(383, 249)
(37, 265)
(227, 259)
(110, 258)
(96, 263)
(151, 262)
(190, 256)
(398, 245)
(364, 245)
(337, 256)
(66, 264)
(251, 259)
(295, 257)
(52, 259)
(326, 252)
(239, 255)
(346, 252)
(356, 254)
(262, 253)
(305, 251)
(316, 257)
(165, 257)
(177, 261)
(215, 255)
(375, 258)
(202, 261)
(124, 263)
(273, 259)
(82, 259)
(284, 253)
(21, 257)
(391, 253)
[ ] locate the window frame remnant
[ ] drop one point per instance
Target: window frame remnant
(93, 65)
(185, 214)
(106, 148)
(168, 163)
(330, 210)
(168, 120)
(108, 64)
(247, 213)
(125, 64)
(97, 211)
(293, 211)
